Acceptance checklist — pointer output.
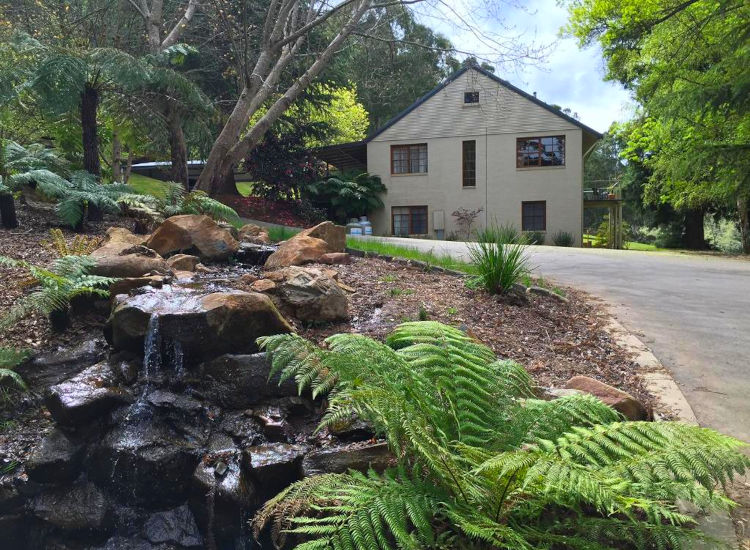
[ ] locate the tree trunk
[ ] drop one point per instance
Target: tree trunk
(89, 105)
(116, 158)
(8, 211)
(743, 208)
(694, 237)
(128, 165)
(178, 151)
(227, 185)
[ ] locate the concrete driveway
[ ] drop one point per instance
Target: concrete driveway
(692, 311)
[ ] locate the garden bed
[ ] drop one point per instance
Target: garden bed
(256, 208)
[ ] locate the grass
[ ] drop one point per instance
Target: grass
(146, 185)
(244, 188)
(430, 258)
(630, 245)
(278, 233)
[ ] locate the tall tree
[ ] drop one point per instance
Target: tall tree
(688, 63)
(154, 19)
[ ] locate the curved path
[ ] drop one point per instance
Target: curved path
(693, 311)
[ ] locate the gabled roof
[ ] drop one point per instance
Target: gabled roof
(491, 76)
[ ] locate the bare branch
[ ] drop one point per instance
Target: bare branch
(142, 9)
(175, 33)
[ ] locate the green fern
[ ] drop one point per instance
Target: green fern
(68, 278)
(10, 358)
(481, 462)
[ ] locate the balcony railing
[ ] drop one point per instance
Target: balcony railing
(601, 194)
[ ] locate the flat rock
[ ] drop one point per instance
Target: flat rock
(56, 460)
(183, 262)
(125, 285)
(88, 395)
(333, 235)
(175, 526)
(298, 250)
(358, 457)
(205, 325)
(56, 366)
(253, 253)
(123, 254)
(190, 232)
(254, 234)
(82, 506)
(240, 381)
(619, 400)
(334, 258)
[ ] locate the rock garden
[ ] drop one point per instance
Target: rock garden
(155, 421)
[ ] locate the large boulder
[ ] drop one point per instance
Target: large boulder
(251, 233)
(333, 235)
(274, 466)
(175, 526)
(123, 254)
(338, 460)
(240, 381)
(87, 396)
(310, 294)
(183, 262)
(309, 245)
(193, 233)
(56, 460)
(623, 402)
(205, 325)
(297, 251)
(80, 507)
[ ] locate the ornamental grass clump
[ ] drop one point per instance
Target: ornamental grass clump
(480, 463)
(500, 258)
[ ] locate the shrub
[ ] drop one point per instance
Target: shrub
(481, 463)
(81, 245)
(465, 219)
(563, 238)
(535, 237)
(347, 195)
(504, 234)
(499, 263)
(55, 288)
(10, 358)
(723, 235)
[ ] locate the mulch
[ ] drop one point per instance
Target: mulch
(265, 210)
(553, 340)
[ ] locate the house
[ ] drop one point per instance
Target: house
(475, 141)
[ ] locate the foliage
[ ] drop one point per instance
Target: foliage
(687, 65)
(465, 219)
(506, 233)
(10, 358)
(563, 238)
(410, 253)
(68, 278)
(480, 462)
(81, 245)
(347, 195)
(499, 265)
(534, 237)
(723, 235)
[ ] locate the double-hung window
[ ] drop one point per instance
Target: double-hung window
(409, 159)
(534, 216)
(409, 220)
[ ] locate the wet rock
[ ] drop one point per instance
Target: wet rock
(56, 460)
(619, 400)
(168, 400)
(204, 325)
(146, 462)
(251, 233)
(272, 422)
(264, 285)
(298, 250)
(254, 254)
(242, 427)
(183, 262)
(131, 543)
(88, 395)
(274, 466)
(125, 285)
(82, 506)
(310, 294)
(352, 429)
(123, 254)
(335, 258)
(359, 457)
(191, 232)
(248, 279)
(13, 531)
(176, 526)
(220, 501)
(240, 381)
(333, 235)
(53, 367)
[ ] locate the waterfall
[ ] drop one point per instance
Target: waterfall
(152, 357)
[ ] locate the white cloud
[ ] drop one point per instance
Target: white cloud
(568, 76)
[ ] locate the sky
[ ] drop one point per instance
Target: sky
(567, 76)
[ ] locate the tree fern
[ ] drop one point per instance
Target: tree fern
(10, 358)
(54, 288)
(482, 463)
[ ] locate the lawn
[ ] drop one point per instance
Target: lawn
(147, 186)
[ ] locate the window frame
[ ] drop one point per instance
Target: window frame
(465, 177)
(408, 147)
(540, 152)
(411, 220)
(473, 95)
(544, 215)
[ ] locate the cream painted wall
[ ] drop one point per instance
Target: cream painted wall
(443, 122)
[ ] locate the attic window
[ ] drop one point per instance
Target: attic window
(471, 97)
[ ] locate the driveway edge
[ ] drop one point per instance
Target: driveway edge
(670, 400)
